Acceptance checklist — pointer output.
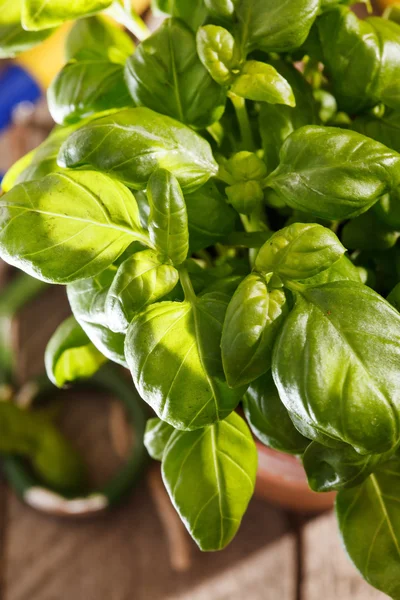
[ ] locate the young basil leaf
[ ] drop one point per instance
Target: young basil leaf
(331, 469)
(252, 322)
(221, 8)
(299, 251)
(277, 122)
(132, 143)
(218, 52)
(13, 37)
(373, 73)
(261, 82)
(168, 60)
(268, 418)
(275, 27)
(173, 348)
(367, 233)
(192, 13)
(39, 14)
(168, 221)
(341, 270)
(210, 477)
(87, 87)
(335, 366)
(245, 197)
(87, 299)
(156, 437)
(140, 280)
(369, 522)
(83, 41)
(334, 173)
(82, 221)
(70, 355)
(210, 218)
(384, 129)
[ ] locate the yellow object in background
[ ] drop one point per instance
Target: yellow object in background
(45, 60)
(385, 3)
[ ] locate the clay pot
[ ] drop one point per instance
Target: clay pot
(282, 481)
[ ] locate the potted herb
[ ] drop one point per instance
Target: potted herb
(226, 223)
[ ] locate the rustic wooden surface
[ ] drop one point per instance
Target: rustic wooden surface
(125, 554)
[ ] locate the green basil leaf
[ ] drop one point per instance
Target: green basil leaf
(366, 232)
(392, 13)
(342, 269)
(168, 60)
(40, 14)
(173, 348)
(87, 299)
(335, 366)
(373, 73)
(252, 322)
(83, 41)
(132, 143)
(277, 122)
(331, 469)
(245, 197)
(268, 418)
(70, 355)
(299, 251)
(156, 437)
(385, 129)
(261, 82)
(334, 173)
(87, 87)
(13, 37)
(168, 221)
(210, 477)
(210, 218)
(140, 280)
(369, 522)
(275, 27)
(221, 8)
(82, 221)
(192, 13)
(218, 52)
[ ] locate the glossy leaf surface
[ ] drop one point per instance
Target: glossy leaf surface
(13, 37)
(40, 14)
(261, 82)
(83, 41)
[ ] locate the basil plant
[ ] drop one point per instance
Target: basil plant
(223, 206)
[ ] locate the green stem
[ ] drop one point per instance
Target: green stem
(124, 14)
(242, 116)
(186, 284)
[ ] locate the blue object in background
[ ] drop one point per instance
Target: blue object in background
(16, 86)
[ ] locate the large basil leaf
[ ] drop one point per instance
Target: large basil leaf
(87, 298)
(252, 321)
(70, 355)
(274, 26)
(82, 222)
(334, 173)
(192, 13)
(156, 437)
(132, 143)
(210, 476)
(268, 418)
(166, 75)
(83, 41)
(335, 365)
(385, 129)
(218, 52)
(140, 280)
(173, 352)
(210, 218)
(361, 59)
(299, 251)
(330, 469)
(168, 220)
(13, 37)
(369, 522)
(39, 14)
(277, 121)
(87, 87)
(366, 232)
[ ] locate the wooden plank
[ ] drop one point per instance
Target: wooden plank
(327, 571)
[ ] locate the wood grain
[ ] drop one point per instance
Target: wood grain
(328, 572)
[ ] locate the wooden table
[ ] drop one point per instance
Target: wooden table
(126, 555)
